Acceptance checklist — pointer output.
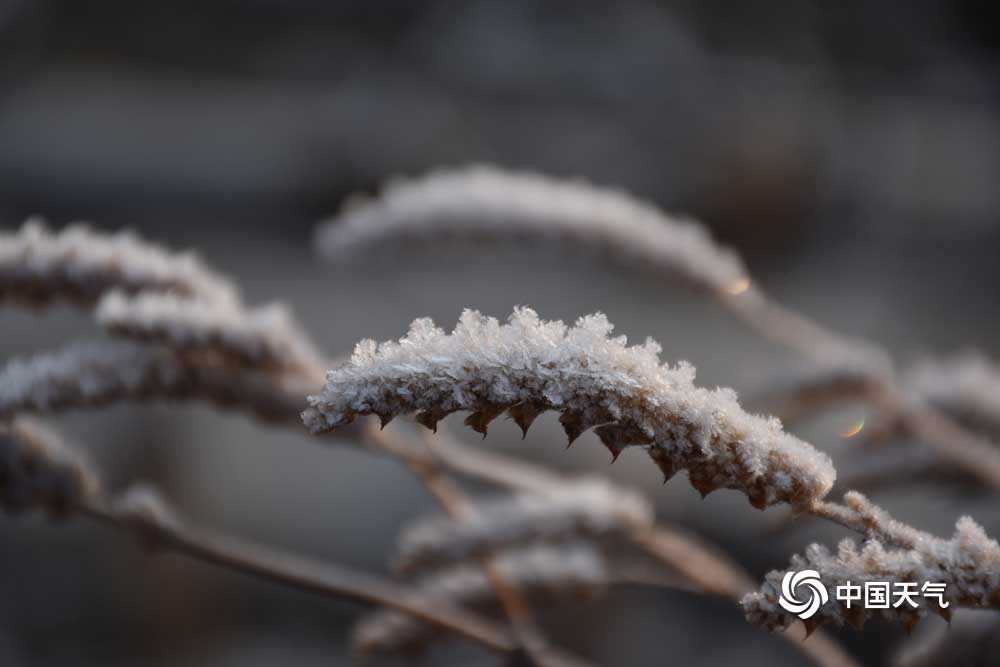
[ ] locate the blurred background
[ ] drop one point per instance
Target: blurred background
(850, 151)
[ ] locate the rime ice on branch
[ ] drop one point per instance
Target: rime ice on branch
(593, 508)
(529, 365)
(38, 471)
(261, 337)
(94, 374)
(485, 202)
(968, 564)
(78, 264)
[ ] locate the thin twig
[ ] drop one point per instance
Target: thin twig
(336, 581)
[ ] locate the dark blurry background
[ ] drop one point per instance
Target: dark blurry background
(851, 151)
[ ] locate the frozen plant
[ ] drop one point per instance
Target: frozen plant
(79, 264)
(492, 204)
(262, 337)
(529, 365)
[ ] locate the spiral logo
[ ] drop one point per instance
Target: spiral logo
(817, 596)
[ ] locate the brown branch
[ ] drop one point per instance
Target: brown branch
(162, 528)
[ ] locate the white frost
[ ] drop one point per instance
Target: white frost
(529, 365)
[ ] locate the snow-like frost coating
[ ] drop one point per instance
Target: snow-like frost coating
(968, 564)
(592, 507)
(529, 365)
(487, 202)
(80, 264)
(97, 373)
(261, 337)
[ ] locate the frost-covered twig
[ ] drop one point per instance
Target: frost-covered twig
(968, 565)
(37, 470)
(94, 374)
(591, 508)
(545, 573)
(489, 203)
(79, 264)
(260, 338)
(528, 366)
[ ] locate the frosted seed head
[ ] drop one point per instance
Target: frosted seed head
(482, 202)
(79, 264)
(528, 365)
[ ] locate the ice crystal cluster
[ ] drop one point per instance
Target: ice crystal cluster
(486, 202)
(529, 365)
(38, 471)
(593, 508)
(968, 564)
(544, 574)
(79, 264)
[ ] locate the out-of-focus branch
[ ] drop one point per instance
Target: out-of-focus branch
(145, 514)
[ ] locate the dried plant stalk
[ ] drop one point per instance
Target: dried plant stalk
(79, 265)
(38, 471)
(528, 366)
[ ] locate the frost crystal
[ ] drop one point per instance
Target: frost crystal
(38, 471)
(543, 573)
(486, 202)
(94, 374)
(591, 507)
(79, 264)
(968, 564)
(528, 366)
(262, 337)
